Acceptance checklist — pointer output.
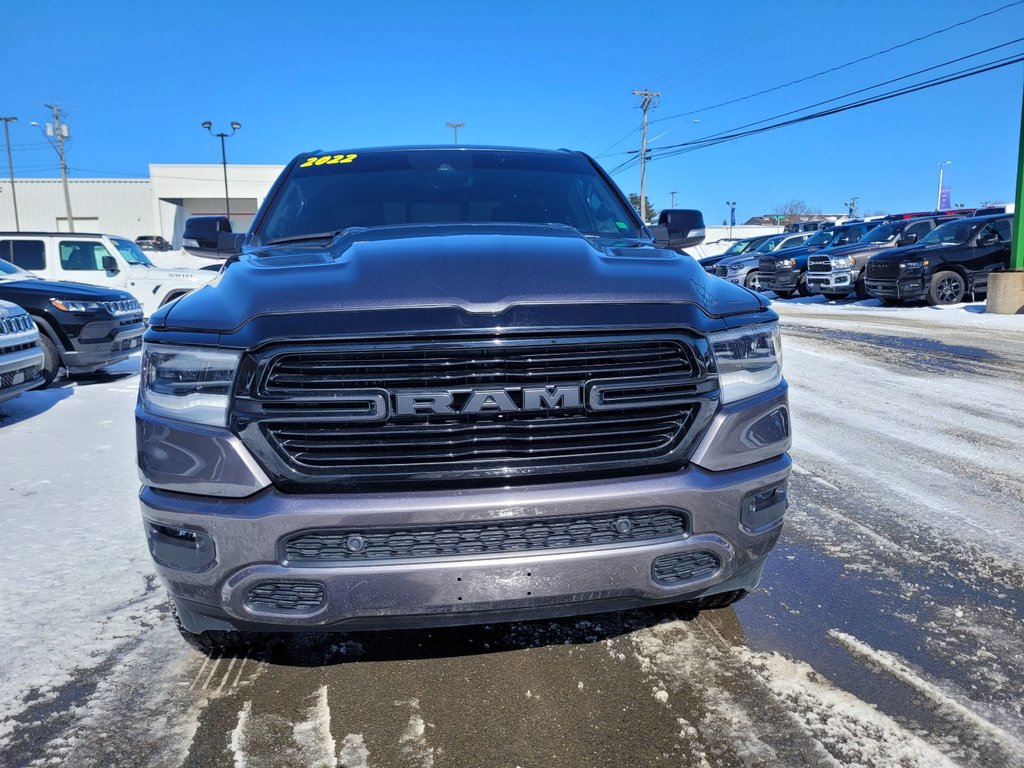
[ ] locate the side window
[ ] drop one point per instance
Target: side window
(920, 229)
(1002, 229)
(82, 255)
(27, 254)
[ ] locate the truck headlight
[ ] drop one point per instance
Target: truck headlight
(843, 262)
(749, 360)
(188, 383)
(787, 263)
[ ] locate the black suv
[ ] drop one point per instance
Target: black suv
(82, 327)
(948, 263)
(739, 247)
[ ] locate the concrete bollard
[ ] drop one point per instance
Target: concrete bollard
(1006, 293)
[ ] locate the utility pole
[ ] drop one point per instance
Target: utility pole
(647, 97)
(456, 126)
(851, 207)
(938, 196)
(223, 158)
(61, 132)
(732, 215)
(673, 205)
(10, 168)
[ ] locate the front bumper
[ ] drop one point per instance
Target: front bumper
(781, 280)
(247, 537)
(104, 342)
(837, 281)
(202, 480)
(19, 370)
(912, 288)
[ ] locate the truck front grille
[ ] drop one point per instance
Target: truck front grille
(721, 270)
(15, 324)
(766, 265)
(345, 546)
(819, 264)
(882, 270)
(330, 416)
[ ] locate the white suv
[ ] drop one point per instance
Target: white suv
(21, 358)
(104, 260)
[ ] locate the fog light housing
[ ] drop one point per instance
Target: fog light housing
(183, 549)
(762, 509)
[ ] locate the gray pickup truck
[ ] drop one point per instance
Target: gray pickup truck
(21, 357)
(443, 386)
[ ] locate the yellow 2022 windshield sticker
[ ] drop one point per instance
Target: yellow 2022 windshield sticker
(327, 160)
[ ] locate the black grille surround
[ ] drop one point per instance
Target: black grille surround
(721, 270)
(322, 416)
(22, 374)
(819, 264)
(882, 270)
(766, 265)
(358, 546)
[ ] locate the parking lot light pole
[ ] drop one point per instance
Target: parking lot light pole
(223, 158)
(456, 127)
(732, 215)
(10, 168)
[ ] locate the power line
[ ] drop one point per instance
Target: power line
(934, 82)
(842, 66)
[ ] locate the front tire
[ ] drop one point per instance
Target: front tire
(801, 286)
(51, 359)
(862, 290)
(946, 288)
(753, 280)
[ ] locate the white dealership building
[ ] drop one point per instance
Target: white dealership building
(158, 205)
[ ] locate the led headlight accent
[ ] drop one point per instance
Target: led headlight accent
(75, 306)
(188, 383)
(787, 263)
(749, 360)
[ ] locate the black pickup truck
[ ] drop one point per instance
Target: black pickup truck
(950, 262)
(446, 385)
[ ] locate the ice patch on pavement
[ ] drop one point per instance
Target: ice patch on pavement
(412, 744)
(354, 753)
(264, 740)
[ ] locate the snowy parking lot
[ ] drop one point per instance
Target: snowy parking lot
(887, 631)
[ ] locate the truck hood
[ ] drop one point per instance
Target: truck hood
(482, 268)
(58, 290)
(854, 249)
(896, 254)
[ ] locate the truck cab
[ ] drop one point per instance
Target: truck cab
(107, 261)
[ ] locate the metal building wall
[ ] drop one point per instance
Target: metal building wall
(113, 206)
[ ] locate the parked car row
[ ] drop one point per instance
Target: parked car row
(83, 298)
(939, 258)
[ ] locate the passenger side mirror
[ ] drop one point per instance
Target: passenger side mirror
(992, 239)
(679, 228)
(110, 264)
(908, 239)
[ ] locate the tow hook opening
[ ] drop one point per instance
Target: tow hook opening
(763, 508)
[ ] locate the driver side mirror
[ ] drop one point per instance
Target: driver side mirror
(990, 239)
(908, 239)
(679, 228)
(110, 264)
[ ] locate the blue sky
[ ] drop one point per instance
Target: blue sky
(137, 79)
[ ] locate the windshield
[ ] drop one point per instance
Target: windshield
(886, 233)
(769, 245)
(821, 237)
(738, 247)
(952, 232)
(443, 186)
(130, 251)
(9, 271)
